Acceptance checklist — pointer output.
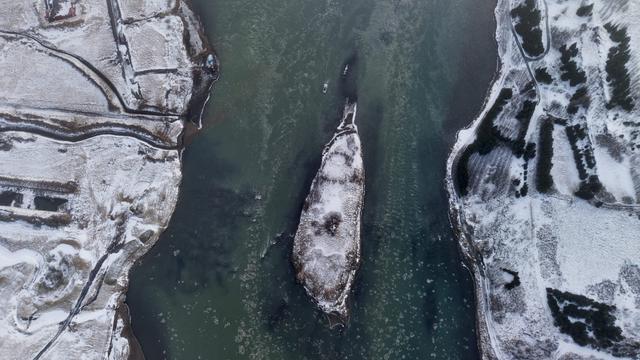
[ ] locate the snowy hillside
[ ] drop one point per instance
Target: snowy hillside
(94, 99)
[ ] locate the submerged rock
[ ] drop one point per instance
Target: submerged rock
(326, 250)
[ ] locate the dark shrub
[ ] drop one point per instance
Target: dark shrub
(332, 222)
(543, 76)
(530, 151)
(516, 279)
(585, 10)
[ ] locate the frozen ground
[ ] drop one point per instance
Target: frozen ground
(326, 250)
(94, 98)
(544, 184)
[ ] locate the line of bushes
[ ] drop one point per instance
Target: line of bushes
(528, 154)
(616, 67)
(575, 133)
(590, 185)
(544, 180)
(524, 116)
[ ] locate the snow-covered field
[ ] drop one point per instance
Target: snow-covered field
(94, 97)
(544, 185)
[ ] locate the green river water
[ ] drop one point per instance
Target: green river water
(220, 284)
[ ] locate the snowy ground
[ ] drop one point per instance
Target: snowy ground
(94, 98)
(565, 218)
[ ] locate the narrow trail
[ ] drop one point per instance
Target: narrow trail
(113, 248)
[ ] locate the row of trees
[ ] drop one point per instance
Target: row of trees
(587, 322)
(617, 74)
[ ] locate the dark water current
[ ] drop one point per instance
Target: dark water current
(219, 284)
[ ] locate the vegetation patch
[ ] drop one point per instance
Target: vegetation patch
(589, 188)
(585, 10)
(524, 190)
(528, 27)
(462, 171)
(544, 180)
(575, 133)
(332, 222)
(513, 283)
(617, 74)
(529, 153)
(580, 99)
(543, 76)
(587, 322)
(487, 138)
(584, 159)
(569, 67)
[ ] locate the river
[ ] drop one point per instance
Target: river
(219, 284)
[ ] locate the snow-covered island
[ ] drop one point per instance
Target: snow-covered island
(545, 185)
(95, 97)
(326, 249)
